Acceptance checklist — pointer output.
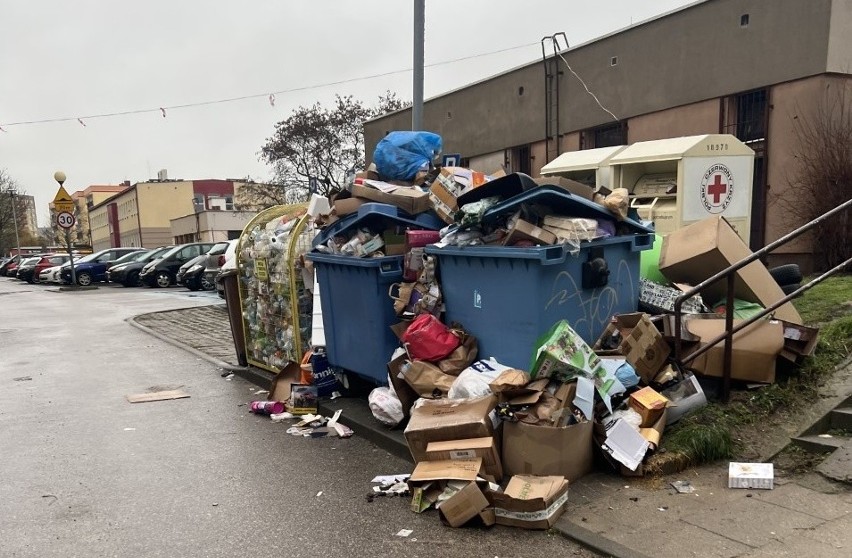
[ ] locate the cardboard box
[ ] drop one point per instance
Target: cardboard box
(699, 251)
(281, 383)
(751, 475)
(347, 206)
(563, 354)
(463, 506)
(576, 188)
(431, 479)
(649, 404)
(642, 344)
(547, 450)
(409, 199)
(451, 183)
(471, 448)
(799, 341)
(661, 298)
(652, 435)
(523, 230)
(531, 502)
(754, 349)
(448, 419)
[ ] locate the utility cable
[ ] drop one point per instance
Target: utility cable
(270, 95)
(586, 87)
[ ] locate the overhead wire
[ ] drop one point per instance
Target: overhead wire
(268, 94)
(586, 87)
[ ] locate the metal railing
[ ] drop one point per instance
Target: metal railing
(730, 274)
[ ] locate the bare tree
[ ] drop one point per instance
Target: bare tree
(315, 148)
(823, 176)
(12, 210)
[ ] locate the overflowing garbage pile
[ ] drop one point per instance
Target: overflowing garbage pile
(517, 327)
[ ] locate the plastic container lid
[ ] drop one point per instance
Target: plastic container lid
(378, 216)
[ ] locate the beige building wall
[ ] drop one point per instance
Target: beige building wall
(159, 203)
(99, 224)
(213, 226)
(688, 120)
(488, 163)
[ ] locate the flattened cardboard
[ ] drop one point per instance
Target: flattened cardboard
(448, 419)
(484, 448)
(751, 475)
(280, 389)
(347, 206)
(754, 349)
(448, 469)
(699, 251)
(642, 344)
(547, 450)
(411, 200)
(531, 502)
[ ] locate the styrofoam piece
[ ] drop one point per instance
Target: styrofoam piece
(318, 206)
(317, 328)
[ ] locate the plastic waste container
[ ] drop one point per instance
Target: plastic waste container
(509, 296)
(235, 316)
(357, 311)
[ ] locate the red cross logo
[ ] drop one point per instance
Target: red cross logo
(717, 189)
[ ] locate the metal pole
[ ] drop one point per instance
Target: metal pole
(14, 195)
(71, 257)
(419, 38)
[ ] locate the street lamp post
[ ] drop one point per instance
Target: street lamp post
(59, 176)
(13, 194)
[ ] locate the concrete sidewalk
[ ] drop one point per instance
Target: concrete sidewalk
(805, 515)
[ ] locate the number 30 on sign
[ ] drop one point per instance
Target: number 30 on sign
(65, 220)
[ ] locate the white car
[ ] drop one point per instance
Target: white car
(51, 274)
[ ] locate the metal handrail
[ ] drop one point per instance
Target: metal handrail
(729, 274)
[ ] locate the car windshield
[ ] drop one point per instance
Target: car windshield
(156, 254)
(129, 257)
(89, 258)
(218, 249)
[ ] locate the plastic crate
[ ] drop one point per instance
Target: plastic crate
(509, 297)
(357, 312)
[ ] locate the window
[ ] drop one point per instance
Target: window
(744, 20)
(604, 136)
(229, 203)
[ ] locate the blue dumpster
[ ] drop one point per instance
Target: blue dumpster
(509, 296)
(357, 311)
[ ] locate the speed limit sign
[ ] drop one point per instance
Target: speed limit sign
(65, 220)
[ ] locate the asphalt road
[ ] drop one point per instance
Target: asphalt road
(85, 473)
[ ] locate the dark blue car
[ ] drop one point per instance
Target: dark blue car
(92, 268)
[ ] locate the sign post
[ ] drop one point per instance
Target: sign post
(63, 206)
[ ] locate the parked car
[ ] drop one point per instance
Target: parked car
(25, 270)
(51, 274)
(161, 272)
(128, 273)
(32, 274)
(229, 262)
(200, 273)
(10, 268)
(92, 268)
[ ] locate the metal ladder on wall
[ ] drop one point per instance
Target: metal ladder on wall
(729, 274)
(552, 73)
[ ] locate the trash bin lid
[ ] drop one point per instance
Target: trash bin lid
(561, 202)
(378, 216)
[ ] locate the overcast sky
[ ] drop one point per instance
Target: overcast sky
(70, 59)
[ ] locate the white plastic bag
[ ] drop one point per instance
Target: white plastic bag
(385, 406)
(474, 380)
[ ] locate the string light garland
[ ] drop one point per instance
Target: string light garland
(270, 96)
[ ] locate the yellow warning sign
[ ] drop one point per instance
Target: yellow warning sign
(62, 202)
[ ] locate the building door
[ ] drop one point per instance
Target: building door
(521, 159)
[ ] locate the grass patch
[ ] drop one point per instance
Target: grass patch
(710, 433)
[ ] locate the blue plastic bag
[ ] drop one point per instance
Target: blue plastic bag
(399, 155)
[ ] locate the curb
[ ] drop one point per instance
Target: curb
(239, 370)
(594, 541)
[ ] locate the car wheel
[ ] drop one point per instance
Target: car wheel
(84, 278)
(207, 284)
(192, 285)
(164, 279)
(133, 280)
